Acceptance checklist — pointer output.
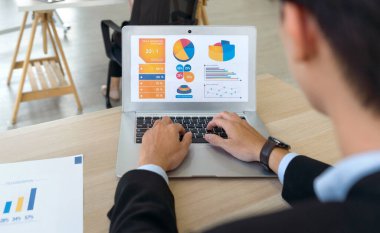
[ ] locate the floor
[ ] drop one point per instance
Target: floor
(85, 53)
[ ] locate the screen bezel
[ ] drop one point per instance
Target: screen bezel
(129, 106)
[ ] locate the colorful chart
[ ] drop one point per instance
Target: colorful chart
(152, 73)
(221, 91)
(183, 50)
(184, 92)
(215, 73)
(184, 89)
(19, 205)
(221, 51)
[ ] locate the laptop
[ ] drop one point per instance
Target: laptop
(189, 73)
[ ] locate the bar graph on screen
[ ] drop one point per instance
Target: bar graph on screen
(216, 73)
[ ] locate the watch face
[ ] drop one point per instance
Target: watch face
(279, 143)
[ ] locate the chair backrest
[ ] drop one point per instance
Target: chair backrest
(164, 12)
(183, 12)
(150, 12)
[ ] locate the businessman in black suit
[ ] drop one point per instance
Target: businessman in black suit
(334, 53)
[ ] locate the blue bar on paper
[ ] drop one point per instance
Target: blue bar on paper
(152, 77)
(32, 198)
(78, 160)
(7, 208)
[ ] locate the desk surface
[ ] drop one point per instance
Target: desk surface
(199, 202)
(34, 5)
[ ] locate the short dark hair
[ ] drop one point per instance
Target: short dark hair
(352, 28)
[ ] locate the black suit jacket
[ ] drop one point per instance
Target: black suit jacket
(144, 203)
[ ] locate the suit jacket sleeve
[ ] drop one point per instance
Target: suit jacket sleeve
(299, 179)
(143, 203)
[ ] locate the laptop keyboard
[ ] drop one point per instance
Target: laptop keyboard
(197, 125)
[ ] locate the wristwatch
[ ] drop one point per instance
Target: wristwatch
(268, 148)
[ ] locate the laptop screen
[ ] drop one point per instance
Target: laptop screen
(189, 68)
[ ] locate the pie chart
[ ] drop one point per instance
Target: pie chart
(183, 50)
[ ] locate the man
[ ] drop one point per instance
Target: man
(333, 51)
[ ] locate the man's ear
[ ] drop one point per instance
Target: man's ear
(299, 31)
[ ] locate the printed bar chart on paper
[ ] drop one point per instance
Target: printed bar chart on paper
(42, 196)
(18, 206)
(215, 73)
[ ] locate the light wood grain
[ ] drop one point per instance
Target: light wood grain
(199, 202)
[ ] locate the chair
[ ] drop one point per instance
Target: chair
(146, 12)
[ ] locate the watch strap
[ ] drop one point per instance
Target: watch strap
(266, 152)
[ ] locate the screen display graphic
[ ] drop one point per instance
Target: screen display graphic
(189, 68)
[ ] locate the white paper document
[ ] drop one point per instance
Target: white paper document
(44, 196)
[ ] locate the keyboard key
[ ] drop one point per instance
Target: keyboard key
(218, 130)
(179, 117)
(138, 140)
(202, 130)
(199, 140)
(199, 126)
(142, 126)
(139, 135)
(194, 130)
(199, 135)
(179, 121)
(141, 130)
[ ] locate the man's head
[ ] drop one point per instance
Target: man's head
(334, 46)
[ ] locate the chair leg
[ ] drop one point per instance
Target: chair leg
(108, 101)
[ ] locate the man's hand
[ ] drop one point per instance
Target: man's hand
(161, 145)
(243, 142)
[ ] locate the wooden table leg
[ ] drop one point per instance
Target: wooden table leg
(44, 33)
(204, 13)
(14, 59)
(68, 73)
(55, 48)
(25, 69)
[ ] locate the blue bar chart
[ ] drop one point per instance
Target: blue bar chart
(216, 73)
(18, 206)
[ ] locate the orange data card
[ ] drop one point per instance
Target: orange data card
(158, 95)
(151, 89)
(152, 83)
(152, 50)
(152, 68)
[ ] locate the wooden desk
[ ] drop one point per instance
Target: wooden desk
(199, 202)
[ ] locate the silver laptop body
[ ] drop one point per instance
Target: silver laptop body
(181, 43)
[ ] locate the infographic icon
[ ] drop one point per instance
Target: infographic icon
(152, 50)
(222, 51)
(183, 50)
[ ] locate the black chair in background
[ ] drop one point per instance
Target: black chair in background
(145, 12)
